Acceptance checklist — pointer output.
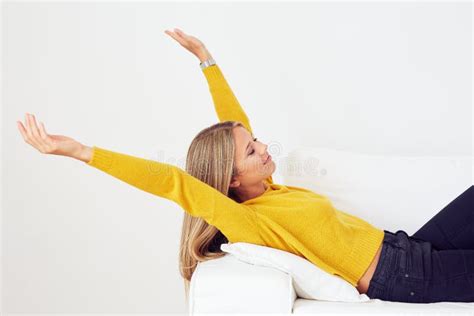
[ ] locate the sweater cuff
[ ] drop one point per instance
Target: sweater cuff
(101, 158)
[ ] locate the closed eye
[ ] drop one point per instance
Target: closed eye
(251, 153)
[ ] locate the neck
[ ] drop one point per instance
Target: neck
(250, 192)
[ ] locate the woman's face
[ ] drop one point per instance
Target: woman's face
(250, 157)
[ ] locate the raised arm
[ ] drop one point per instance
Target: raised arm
(165, 180)
(226, 104)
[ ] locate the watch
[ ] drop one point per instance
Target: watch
(207, 63)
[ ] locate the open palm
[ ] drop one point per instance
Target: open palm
(44, 142)
(191, 43)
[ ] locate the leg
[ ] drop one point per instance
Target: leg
(452, 277)
(453, 226)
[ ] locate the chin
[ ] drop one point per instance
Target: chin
(273, 167)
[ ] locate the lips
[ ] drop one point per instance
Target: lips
(267, 160)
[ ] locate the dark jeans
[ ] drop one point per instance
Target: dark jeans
(436, 264)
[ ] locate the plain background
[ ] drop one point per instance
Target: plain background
(390, 78)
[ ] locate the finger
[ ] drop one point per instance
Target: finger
(42, 131)
(25, 136)
(183, 36)
(22, 131)
(170, 33)
(34, 126)
(175, 36)
(180, 33)
(40, 140)
(36, 134)
(29, 128)
(47, 140)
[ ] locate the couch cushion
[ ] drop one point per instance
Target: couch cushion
(390, 192)
(228, 285)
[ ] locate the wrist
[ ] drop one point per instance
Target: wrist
(203, 55)
(84, 153)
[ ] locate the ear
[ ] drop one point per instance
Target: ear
(234, 183)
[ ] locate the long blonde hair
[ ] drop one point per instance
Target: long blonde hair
(210, 158)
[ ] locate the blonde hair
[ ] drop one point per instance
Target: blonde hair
(210, 158)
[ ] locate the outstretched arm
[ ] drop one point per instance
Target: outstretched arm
(165, 180)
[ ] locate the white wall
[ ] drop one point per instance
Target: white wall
(385, 78)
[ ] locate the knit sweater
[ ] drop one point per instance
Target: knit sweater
(284, 217)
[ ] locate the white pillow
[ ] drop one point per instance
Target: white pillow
(309, 281)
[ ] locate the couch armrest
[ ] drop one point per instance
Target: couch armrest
(228, 285)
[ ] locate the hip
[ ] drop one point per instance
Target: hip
(412, 270)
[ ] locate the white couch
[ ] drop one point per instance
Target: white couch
(391, 192)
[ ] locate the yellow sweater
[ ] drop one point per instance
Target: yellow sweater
(289, 218)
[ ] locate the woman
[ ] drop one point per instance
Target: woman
(228, 194)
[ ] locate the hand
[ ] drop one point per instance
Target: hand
(52, 144)
(191, 43)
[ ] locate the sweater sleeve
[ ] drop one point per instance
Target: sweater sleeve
(171, 182)
(226, 104)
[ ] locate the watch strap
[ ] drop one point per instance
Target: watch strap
(207, 63)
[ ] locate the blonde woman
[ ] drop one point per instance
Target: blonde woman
(228, 194)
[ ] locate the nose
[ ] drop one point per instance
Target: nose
(265, 154)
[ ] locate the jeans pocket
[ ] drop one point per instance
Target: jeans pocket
(408, 290)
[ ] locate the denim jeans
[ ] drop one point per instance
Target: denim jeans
(436, 264)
